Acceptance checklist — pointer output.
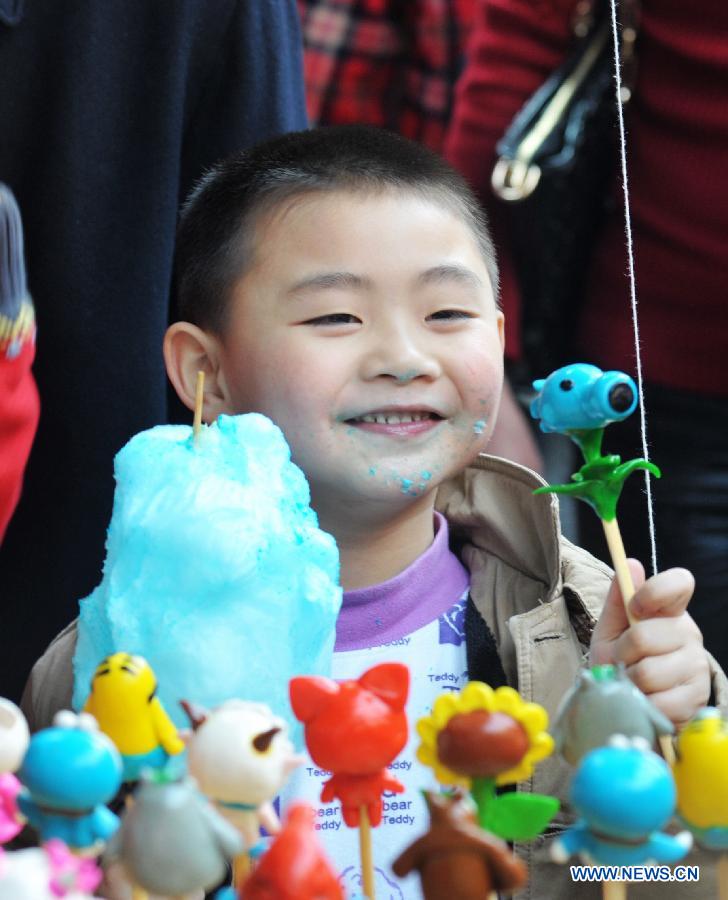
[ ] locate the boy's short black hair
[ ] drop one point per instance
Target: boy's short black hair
(217, 224)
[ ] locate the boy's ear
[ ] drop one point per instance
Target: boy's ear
(188, 350)
(502, 329)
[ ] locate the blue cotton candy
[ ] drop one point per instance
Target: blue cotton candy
(216, 570)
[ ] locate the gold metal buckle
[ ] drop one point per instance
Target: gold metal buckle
(514, 180)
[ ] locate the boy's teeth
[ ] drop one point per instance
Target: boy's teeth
(394, 418)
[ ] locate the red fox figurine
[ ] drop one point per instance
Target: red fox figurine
(355, 729)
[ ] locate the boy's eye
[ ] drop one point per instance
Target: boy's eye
(450, 314)
(334, 319)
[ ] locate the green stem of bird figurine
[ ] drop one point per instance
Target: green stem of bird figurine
(600, 480)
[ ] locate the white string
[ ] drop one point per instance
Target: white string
(632, 281)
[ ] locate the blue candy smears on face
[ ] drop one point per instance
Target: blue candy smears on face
(415, 484)
(414, 487)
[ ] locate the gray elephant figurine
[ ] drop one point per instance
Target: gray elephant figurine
(172, 841)
(603, 702)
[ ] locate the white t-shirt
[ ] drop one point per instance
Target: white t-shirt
(435, 654)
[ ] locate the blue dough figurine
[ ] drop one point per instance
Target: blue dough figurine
(69, 772)
(580, 401)
(624, 794)
(580, 397)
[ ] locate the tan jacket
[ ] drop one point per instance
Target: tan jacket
(540, 596)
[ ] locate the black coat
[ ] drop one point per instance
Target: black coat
(109, 110)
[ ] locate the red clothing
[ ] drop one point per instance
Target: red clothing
(677, 144)
(19, 407)
(390, 63)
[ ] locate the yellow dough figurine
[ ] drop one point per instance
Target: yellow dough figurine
(701, 778)
(124, 702)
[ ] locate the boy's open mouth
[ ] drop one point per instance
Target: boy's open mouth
(406, 422)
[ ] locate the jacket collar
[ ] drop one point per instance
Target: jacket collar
(491, 505)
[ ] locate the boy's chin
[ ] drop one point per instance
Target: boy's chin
(388, 495)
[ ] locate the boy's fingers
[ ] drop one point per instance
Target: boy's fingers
(681, 702)
(656, 637)
(666, 594)
(657, 674)
(613, 620)
(663, 649)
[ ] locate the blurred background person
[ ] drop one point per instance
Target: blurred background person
(390, 63)
(677, 141)
(110, 112)
(19, 405)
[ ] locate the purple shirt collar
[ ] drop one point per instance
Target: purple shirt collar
(385, 612)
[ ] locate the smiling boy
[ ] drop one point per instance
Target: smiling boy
(343, 283)
(367, 329)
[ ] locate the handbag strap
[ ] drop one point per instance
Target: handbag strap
(515, 176)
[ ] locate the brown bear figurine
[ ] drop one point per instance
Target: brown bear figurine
(456, 859)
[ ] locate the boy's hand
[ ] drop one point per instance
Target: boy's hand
(663, 650)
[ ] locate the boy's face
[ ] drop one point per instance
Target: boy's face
(366, 329)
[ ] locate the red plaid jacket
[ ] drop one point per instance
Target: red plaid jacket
(391, 63)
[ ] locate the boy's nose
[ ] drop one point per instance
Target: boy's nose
(399, 357)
